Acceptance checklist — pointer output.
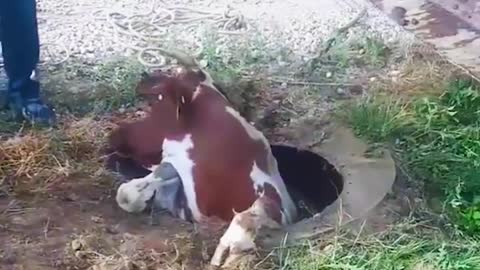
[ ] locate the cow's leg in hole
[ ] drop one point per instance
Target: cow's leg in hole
(239, 237)
(161, 188)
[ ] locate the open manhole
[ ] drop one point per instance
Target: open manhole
(311, 180)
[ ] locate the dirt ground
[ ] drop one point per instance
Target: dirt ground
(74, 223)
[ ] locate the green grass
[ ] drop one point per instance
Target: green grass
(111, 86)
(405, 246)
(438, 140)
(342, 55)
(116, 83)
(228, 62)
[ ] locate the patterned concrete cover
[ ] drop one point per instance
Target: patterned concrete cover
(452, 26)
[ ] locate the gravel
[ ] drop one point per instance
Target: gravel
(81, 30)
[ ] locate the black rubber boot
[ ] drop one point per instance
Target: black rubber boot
(31, 109)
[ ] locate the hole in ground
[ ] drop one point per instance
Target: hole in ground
(311, 180)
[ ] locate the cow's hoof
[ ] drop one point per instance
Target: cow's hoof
(217, 257)
(213, 267)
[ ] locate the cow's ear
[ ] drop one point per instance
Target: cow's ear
(147, 86)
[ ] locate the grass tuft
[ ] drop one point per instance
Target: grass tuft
(403, 247)
(438, 139)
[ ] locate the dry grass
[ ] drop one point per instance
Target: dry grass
(97, 251)
(422, 73)
(34, 161)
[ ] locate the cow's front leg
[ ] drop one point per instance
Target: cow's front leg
(238, 238)
(160, 187)
(240, 234)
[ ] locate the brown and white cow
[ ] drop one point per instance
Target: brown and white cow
(206, 161)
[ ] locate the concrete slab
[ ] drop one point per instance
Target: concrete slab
(451, 26)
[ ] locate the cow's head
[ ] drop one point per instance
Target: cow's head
(138, 141)
(151, 82)
(170, 98)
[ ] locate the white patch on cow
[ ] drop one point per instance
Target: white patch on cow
(176, 153)
(197, 92)
(259, 179)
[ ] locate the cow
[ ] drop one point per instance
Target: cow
(205, 159)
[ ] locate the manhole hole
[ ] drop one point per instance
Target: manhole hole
(311, 180)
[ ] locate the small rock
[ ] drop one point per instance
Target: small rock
(111, 229)
(394, 72)
(328, 248)
(76, 245)
(140, 113)
(81, 254)
(97, 219)
(372, 79)
(398, 14)
(341, 91)
(72, 197)
(328, 74)
(356, 89)
(17, 220)
(9, 257)
(361, 51)
(284, 85)
(203, 63)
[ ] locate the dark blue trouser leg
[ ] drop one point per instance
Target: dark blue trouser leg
(20, 45)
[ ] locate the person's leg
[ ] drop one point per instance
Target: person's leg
(20, 47)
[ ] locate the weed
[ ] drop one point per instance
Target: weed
(374, 51)
(439, 140)
(378, 119)
(116, 83)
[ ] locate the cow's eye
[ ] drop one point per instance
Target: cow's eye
(160, 97)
